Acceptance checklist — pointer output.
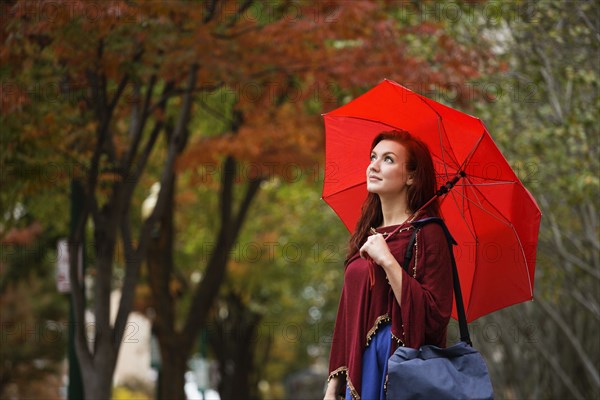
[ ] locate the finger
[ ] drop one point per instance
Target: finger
(363, 252)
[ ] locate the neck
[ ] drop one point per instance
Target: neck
(395, 210)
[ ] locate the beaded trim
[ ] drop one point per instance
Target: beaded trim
(408, 228)
(398, 340)
(373, 330)
(416, 254)
(344, 370)
(385, 384)
(353, 391)
(340, 370)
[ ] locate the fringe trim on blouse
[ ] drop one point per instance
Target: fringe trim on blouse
(353, 391)
(344, 370)
(416, 255)
(398, 340)
(339, 371)
(381, 319)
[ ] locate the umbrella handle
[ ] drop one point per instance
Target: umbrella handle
(449, 185)
(441, 191)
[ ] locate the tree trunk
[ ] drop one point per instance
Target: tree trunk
(97, 379)
(160, 273)
(235, 343)
(172, 371)
(175, 344)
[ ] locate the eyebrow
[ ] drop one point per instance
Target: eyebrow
(384, 154)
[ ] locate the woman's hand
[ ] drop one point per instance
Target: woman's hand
(332, 388)
(377, 249)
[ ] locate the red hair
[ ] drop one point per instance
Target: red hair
(420, 164)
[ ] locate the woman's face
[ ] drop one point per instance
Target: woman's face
(387, 174)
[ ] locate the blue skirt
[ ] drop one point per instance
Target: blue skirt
(374, 365)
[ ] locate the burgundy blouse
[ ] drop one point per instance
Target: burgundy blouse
(421, 317)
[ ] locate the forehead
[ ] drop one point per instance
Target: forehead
(389, 146)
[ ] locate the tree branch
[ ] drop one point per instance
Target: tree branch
(132, 272)
(208, 289)
(587, 302)
(251, 191)
(78, 285)
(138, 123)
(132, 175)
(559, 371)
(181, 129)
(123, 83)
(570, 336)
(564, 253)
(165, 96)
(210, 8)
(227, 191)
(214, 112)
(235, 17)
(138, 127)
(120, 89)
(587, 22)
(553, 95)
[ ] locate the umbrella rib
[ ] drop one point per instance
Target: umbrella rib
(342, 191)
(479, 205)
(488, 183)
(512, 227)
(473, 232)
(505, 221)
(470, 228)
(441, 129)
(461, 213)
(370, 120)
(488, 179)
(470, 155)
(477, 201)
(524, 259)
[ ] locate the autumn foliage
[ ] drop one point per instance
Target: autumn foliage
(108, 91)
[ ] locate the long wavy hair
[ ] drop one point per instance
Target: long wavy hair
(420, 164)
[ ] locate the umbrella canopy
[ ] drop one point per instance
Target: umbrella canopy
(492, 216)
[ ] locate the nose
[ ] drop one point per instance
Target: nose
(373, 166)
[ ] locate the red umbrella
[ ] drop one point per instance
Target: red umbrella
(494, 219)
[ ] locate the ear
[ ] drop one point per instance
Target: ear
(409, 181)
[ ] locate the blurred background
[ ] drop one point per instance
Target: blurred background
(162, 234)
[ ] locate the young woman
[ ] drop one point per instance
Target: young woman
(382, 306)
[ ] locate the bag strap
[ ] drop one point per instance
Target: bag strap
(460, 308)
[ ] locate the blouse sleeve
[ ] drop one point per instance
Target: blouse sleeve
(337, 356)
(426, 300)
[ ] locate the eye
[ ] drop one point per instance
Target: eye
(373, 157)
(389, 159)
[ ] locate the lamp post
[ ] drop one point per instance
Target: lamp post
(75, 388)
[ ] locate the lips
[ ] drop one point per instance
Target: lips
(374, 178)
